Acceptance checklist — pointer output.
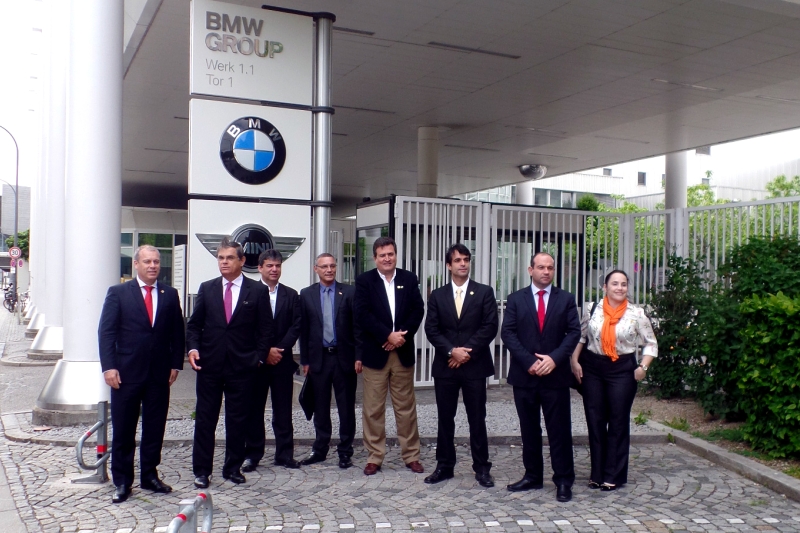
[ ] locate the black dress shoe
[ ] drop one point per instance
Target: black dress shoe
(156, 485)
(121, 493)
(484, 479)
(249, 465)
(287, 463)
(345, 462)
(564, 493)
(201, 481)
(524, 484)
(313, 457)
(439, 475)
(235, 477)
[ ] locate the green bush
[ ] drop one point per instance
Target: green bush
(770, 373)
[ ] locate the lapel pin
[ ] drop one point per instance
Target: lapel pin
(162, 291)
(245, 302)
(471, 292)
(399, 287)
(340, 293)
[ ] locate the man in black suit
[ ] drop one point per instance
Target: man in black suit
(327, 353)
(141, 343)
(277, 374)
(461, 325)
(228, 335)
(388, 312)
(541, 329)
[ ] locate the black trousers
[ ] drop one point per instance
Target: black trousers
(474, 393)
(152, 398)
(555, 405)
(608, 391)
(237, 390)
(281, 383)
(344, 390)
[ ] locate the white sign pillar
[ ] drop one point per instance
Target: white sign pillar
(322, 135)
(92, 215)
(428, 161)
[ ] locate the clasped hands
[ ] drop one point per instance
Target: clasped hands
(396, 339)
(543, 366)
(458, 357)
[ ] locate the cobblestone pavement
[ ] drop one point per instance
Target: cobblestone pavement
(669, 490)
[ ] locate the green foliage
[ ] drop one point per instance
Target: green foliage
(677, 423)
(781, 186)
(642, 418)
(764, 265)
(728, 434)
(588, 202)
(700, 195)
(673, 310)
(770, 374)
(23, 241)
(793, 471)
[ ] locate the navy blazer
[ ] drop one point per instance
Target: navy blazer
(311, 331)
(520, 333)
(287, 326)
(130, 344)
(242, 343)
(476, 329)
(374, 317)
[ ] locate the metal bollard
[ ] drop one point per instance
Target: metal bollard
(100, 466)
(187, 514)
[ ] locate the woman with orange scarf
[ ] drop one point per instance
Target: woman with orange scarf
(608, 370)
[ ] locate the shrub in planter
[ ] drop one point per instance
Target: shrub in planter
(769, 372)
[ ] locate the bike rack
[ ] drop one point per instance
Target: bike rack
(187, 514)
(100, 466)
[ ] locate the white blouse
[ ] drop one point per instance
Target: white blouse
(633, 329)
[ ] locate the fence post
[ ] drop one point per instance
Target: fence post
(627, 239)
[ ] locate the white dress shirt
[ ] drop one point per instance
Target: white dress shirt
(273, 296)
(633, 329)
(235, 289)
(463, 290)
(154, 292)
(388, 284)
(535, 290)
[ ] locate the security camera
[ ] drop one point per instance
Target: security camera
(533, 172)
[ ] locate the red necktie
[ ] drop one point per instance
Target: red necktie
(541, 310)
(148, 302)
(228, 302)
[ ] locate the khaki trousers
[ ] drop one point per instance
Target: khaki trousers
(398, 380)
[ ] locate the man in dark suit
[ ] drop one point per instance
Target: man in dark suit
(228, 335)
(277, 374)
(541, 329)
(388, 312)
(141, 344)
(462, 325)
(327, 353)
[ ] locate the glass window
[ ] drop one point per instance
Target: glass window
(126, 239)
(566, 199)
(180, 239)
(606, 172)
(642, 178)
(555, 199)
(540, 196)
(159, 240)
(165, 275)
(126, 263)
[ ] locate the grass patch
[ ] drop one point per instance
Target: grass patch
(729, 434)
(793, 471)
(754, 454)
(758, 503)
(642, 418)
(677, 423)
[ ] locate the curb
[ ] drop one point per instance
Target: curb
(752, 470)
(4, 361)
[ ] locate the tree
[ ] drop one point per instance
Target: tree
(781, 186)
(23, 238)
(588, 202)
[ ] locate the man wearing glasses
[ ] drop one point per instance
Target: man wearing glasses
(327, 353)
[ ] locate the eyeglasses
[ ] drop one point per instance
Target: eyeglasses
(326, 267)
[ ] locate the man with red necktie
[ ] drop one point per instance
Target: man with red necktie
(228, 336)
(541, 329)
(141, 344)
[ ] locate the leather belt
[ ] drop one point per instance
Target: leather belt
(330, 349)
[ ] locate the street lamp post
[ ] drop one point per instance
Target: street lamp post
(16, 210)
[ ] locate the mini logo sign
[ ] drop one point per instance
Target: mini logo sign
(252, 150)
(254, 240)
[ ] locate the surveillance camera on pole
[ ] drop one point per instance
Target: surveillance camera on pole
(533, 172)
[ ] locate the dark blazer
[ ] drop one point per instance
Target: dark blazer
(287, 326)
(374, 317)
(244, 341)
(130, 344)
(476, 329)
(520, 333)
(311, 330)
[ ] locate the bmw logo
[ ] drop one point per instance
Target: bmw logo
(252, 150)
(254, 240)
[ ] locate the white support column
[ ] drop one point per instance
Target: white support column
(92, 207)
(49, 341)
(321, 212)
(524, 193)
(676, 169)
(428, 161)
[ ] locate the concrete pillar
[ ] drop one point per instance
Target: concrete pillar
(49, 341)
(524, 193)
(428, 161)
(92, 208)
(677, 169)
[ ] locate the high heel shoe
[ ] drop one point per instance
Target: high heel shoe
(593, 485)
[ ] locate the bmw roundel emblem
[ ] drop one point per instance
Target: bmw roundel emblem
(252, 150)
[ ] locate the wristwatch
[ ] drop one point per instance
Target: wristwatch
(450, 353)
(643, 367)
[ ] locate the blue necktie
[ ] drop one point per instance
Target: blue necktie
(327, 317)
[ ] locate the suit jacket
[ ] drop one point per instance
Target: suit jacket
(130, 344)
(287, 327)
(244, 341)
(374, 317)
(520, 333)
(476, 329)
(311, 331)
